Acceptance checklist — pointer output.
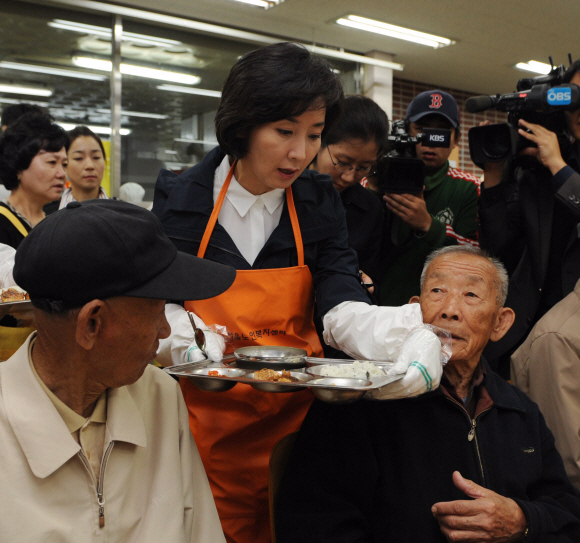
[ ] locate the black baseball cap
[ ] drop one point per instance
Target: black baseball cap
(433, 101)
(99, 249)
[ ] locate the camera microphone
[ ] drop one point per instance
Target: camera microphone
(477, 104)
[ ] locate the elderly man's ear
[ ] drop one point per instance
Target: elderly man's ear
(504, 320)
(90, 323)
(414, 300)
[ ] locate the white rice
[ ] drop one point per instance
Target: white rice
(357, 370)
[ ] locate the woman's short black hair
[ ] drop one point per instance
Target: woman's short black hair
(30, 134)
(81, 130)
(362, 119)
(270, 84)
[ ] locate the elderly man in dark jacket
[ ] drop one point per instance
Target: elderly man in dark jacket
(471, 461)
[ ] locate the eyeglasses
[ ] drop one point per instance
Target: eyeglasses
(343, 167)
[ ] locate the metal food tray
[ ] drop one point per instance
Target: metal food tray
(328, 389)
(14, 307)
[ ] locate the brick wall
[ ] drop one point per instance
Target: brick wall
(404, 91)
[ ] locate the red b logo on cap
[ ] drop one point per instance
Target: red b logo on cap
(436, 100)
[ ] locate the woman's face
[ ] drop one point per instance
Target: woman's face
(44, 178)
(86, 163)
(280, 151)
(357, 154)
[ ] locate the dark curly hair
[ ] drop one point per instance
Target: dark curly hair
(270, 84)
(22, 141)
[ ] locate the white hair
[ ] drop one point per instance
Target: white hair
(501, 281)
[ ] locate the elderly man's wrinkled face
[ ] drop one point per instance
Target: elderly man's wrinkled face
(459, 295)
(133, 338)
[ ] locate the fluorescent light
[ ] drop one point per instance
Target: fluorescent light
(169, 152)
(15, 101)
(51, 71)
(204, 142)
(15, 89)
(189, 90)
(107, 33)
(378, 27)
(106, 130)
(139, 71)
(266, 4)
(135, 114)
(535, 67)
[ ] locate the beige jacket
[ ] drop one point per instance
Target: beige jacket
(547, 368)
(154, 488)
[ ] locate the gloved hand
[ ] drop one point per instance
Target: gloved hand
(180, 346)
(420, 360)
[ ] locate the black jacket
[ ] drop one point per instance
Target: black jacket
(184, 204)
(9, 234)
(371, 471)
(364, 221)
(516, 222)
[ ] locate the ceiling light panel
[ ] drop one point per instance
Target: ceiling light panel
(266, 4)
(535, 67)
(135, 114)
(107, 33)
(51, 71)
(105, 130)
(16, 101)
(30, 91)
(139, 71)
(188, 90)
(392, 31)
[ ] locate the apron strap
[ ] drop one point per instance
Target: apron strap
(218, 206)
(295, 226)
(14, 220)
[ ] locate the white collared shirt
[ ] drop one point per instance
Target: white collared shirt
(247, 218)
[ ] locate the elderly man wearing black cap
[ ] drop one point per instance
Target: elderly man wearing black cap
(95, 441)
(444, 213)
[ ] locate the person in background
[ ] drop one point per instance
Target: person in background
(347, 154)
(283, 227)
(132, 192)
(86, 166)
(472, 461)
(547, 368)
(33, 164)
(529, 217)
(11, 114)
(95, 440)
(444, 213)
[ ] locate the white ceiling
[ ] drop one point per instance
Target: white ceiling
(491, 35)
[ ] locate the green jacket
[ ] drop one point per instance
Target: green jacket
(451, 198)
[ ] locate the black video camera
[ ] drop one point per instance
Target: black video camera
(400, 170)
(539, 100)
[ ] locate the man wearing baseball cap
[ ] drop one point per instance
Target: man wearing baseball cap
(95, 440)
(444, 213)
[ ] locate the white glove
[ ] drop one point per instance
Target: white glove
(420, 360)
(6, 265)
(368, 332)
(180, 346)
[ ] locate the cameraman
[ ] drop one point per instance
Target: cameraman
(444, 213)
(529, 216)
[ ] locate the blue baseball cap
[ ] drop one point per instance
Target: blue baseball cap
(433, 101)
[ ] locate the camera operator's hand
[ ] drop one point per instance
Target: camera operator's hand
(492, 171)
(411, 209)
(548, 150)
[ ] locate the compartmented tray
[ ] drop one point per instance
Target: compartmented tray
(219, 377)
(15, 307)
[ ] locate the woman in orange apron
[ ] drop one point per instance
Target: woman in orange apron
(251, 203)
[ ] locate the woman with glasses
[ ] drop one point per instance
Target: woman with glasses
(348, 154)
(253, 204)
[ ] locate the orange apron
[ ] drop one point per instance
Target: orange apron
(235, 431)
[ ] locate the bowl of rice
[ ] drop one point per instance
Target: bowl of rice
(356, 370)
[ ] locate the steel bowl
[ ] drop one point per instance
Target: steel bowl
(271, 386)
(225, 381)
(339, 389)
(270, 357)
